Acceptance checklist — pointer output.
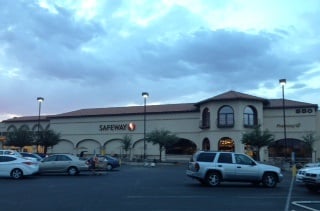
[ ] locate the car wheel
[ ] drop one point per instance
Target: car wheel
(109, 167)
(16, 174)
(213, 179)
(72, 171)
(269, 180)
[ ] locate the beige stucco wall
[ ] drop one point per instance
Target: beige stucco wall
(214, 134)
(297, 124)
(84, 133)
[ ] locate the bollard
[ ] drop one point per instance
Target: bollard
(294, 170)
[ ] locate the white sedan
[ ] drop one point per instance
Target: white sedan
(17, 167)
(302, 172)
(312, 165)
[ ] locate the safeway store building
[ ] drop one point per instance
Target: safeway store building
(215, 123)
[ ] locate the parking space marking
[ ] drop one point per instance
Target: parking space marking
(300, 204)
(289, 193)
(167, 197)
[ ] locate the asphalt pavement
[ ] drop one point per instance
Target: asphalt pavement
(159, 188)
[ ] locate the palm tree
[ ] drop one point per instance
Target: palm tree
(163, 138)
(126, 143)
(257, 139)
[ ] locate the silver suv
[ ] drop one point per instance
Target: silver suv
(211, 168)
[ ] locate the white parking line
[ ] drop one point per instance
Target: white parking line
(168, 197)
(289, 193)
(300, 204)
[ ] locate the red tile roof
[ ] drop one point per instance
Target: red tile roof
(167, 108)
(232, 95)
(131, 110)
(277, 103)
(28, 119)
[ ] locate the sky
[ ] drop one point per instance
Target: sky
(80, 54)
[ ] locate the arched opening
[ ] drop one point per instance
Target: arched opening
(113, 147)
(24, 127)
(137, 150)
(64, 146)
(205, 119)
(12, 128)
(92, 146)
(206, 144)
(282, 148)
(182, 147)
(226, 144)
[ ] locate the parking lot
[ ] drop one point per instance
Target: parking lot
(148, 188)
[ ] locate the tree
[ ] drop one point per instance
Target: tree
(163, 138)
(126, 143)
(47, 138)
(19, 138)
(309, 139)
(257, 139)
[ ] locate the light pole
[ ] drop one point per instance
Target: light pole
(145, 95)
(283, 83)
(40, 100)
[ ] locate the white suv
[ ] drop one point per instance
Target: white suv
(211, 168)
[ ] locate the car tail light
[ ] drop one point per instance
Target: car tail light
(196, 166)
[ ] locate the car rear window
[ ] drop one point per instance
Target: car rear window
(206, 157)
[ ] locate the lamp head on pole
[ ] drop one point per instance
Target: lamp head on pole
(282, 82)
(145, 94)
(40, 99)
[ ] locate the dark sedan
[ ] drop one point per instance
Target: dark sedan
(107, 162)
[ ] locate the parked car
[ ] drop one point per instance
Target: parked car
(10, 152)
(301, 173)
(18, 154)
(312, 164)
(212, 168)
(107, 162)
(17, 167)
(42, 155)
(311, 179)
(62, 163)
(112, 162)
(31, 155)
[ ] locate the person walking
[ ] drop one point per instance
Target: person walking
(93, 161)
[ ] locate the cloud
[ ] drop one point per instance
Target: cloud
(103, 53)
